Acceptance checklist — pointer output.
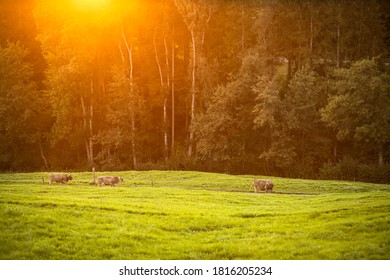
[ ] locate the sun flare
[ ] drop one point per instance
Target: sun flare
(91, 4)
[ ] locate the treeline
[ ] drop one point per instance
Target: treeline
(286, 88)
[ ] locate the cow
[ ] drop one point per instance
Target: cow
(60, 178)
(263, 185)
(109, 180)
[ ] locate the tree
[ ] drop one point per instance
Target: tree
(124, 103)
(359, 106)
(196, 15)
(225, 131)
(303, 101)
(73, 76)
(22, 108)
(347, 31)
(239, 83)
(277, 150)
(166, 69)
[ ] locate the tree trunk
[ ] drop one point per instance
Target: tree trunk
(196, 15)
(157, 60)
(133, 148)
(166, 93)
(173, 94)
(131, 101)
(166, 151)
(91, 159)
(242, 27)
(167, 64)
(164, 90)
(338, 36)
(87, 149)
(42, 154)
(360, 29)
(311, 32)
(380, 155)
(86, 132)
(302, 148)
(193, 93)
(289, 68)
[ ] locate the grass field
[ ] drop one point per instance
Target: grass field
(191, 215)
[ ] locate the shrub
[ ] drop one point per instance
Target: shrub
(351, 170)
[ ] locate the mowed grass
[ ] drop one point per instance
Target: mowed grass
(191, 215)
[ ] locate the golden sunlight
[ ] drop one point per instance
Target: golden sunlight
(91, 4)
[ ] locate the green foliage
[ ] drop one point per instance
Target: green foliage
(17, 90)
(303, 100)
(249, 78)
(191, 215)
(22, 109)
(229, 116)
(290, 122)
(268, 103)
(359, 107)
(351, 170)
(124, 106)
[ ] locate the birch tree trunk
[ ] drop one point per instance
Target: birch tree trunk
(338, 36)
(86, 129)
(196, 15)
(166, 150)
(43, 154)
(131, 100)
(311, 32)
(163, 91)
(193, 93)
(173, 94)
(91, 159)
(335, 148)
(380, 155)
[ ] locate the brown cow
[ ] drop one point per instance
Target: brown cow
(109, 180)
(60, 178)
(263, 185)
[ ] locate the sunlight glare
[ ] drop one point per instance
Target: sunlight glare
(91, 4)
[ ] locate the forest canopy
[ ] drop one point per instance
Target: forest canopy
(284, 88)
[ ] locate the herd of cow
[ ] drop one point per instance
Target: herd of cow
(102, 180)
(258, 184)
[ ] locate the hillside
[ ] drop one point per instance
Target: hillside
(191, 215)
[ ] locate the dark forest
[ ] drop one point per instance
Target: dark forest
(281, 88)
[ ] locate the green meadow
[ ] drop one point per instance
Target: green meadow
(191, 215)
